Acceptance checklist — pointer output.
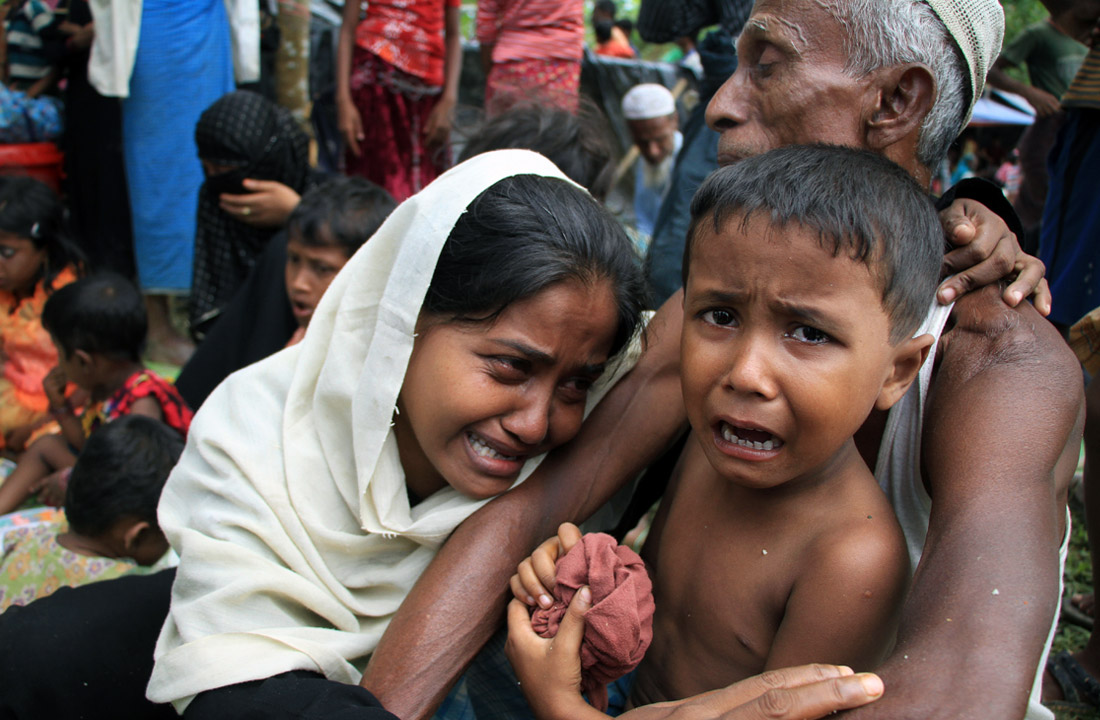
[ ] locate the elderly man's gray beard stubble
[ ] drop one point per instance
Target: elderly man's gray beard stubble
(657, 177)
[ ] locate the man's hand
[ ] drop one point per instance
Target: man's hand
(797, 693)
(1044, 103)
(985, 252)
(268, 205)
(536, 576)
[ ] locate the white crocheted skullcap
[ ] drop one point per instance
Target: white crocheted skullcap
(978, 27)
(648, 101)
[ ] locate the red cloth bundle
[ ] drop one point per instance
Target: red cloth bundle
(619, 626)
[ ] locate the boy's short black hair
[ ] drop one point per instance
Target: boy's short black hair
(606, 6)
(342, 212)
(858, 202)
(120, 474)
(102, 313)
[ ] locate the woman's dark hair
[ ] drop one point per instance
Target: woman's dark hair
(30, 209)
(579, 144)
(342, 211)
(525, 234)
(603, 30)
(120, 473)
(102, 313)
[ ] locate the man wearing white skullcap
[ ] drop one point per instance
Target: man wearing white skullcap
(650, 112)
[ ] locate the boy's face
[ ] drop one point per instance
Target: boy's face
(785, 350)
(309, 271)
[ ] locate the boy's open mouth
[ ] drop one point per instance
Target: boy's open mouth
(750, 438)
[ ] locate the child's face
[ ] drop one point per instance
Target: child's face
(785, 350)
(480, 399)
(309, 271)
(20, 263)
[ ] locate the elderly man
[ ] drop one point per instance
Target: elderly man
(650, 113)
(1001, 422)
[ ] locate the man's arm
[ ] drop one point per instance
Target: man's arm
(1004, 411)
(1043, 102)
(425, 650)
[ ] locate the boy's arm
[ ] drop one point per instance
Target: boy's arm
(61, 409)
(844, 605)
(1001, 423)
(347, 116)
(147, 406)
(424, 650)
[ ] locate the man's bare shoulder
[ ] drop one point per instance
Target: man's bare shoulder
(987, 335)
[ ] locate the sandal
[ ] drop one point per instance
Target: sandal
(1078, 687)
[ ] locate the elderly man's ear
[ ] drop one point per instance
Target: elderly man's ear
(905, 95)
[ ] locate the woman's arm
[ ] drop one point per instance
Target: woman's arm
(459, 601)
(347, 115)
(438, 130)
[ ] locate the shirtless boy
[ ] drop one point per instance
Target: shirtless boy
(774, 545)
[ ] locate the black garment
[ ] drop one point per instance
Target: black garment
(84, 652)
(95, 178)
(662, 21)
(259, 140)
(87, 653)
(295, 695)
(254, 324)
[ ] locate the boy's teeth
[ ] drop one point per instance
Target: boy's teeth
(730, 435)
(485, 451)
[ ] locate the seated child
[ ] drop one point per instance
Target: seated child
(277, 299)
(330, 223)
(111, 509)
(98, 325)
(807, 271)
(36, 258)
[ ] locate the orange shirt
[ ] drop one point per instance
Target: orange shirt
(532, 29)
(408, 34)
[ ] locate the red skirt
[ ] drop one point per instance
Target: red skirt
(554, 83)
(394, 108)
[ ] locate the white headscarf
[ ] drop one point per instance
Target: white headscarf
(288, 507)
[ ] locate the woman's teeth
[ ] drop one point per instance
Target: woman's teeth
(485, 451)
(729, 434)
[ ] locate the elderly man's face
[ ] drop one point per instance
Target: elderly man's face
(655, 138)
(790, 86)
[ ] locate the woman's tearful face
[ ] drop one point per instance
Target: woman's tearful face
(481, 398)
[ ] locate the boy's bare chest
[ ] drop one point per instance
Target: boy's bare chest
(721, 580)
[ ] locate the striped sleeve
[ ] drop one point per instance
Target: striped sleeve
(1084, 91)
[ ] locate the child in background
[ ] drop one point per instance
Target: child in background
(98, 325)
(261, 319)
(36, 258)
(330, 223)
(111, 509)
(774, 545)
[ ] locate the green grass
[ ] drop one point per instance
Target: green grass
(1078, 578)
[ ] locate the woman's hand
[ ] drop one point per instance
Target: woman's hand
(349, 124)
(549, 669)
(985, 252)
(798, 693)
(539, 572)
(268, 205)
(438, 129)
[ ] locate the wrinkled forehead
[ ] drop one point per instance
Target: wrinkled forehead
(801, 27)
